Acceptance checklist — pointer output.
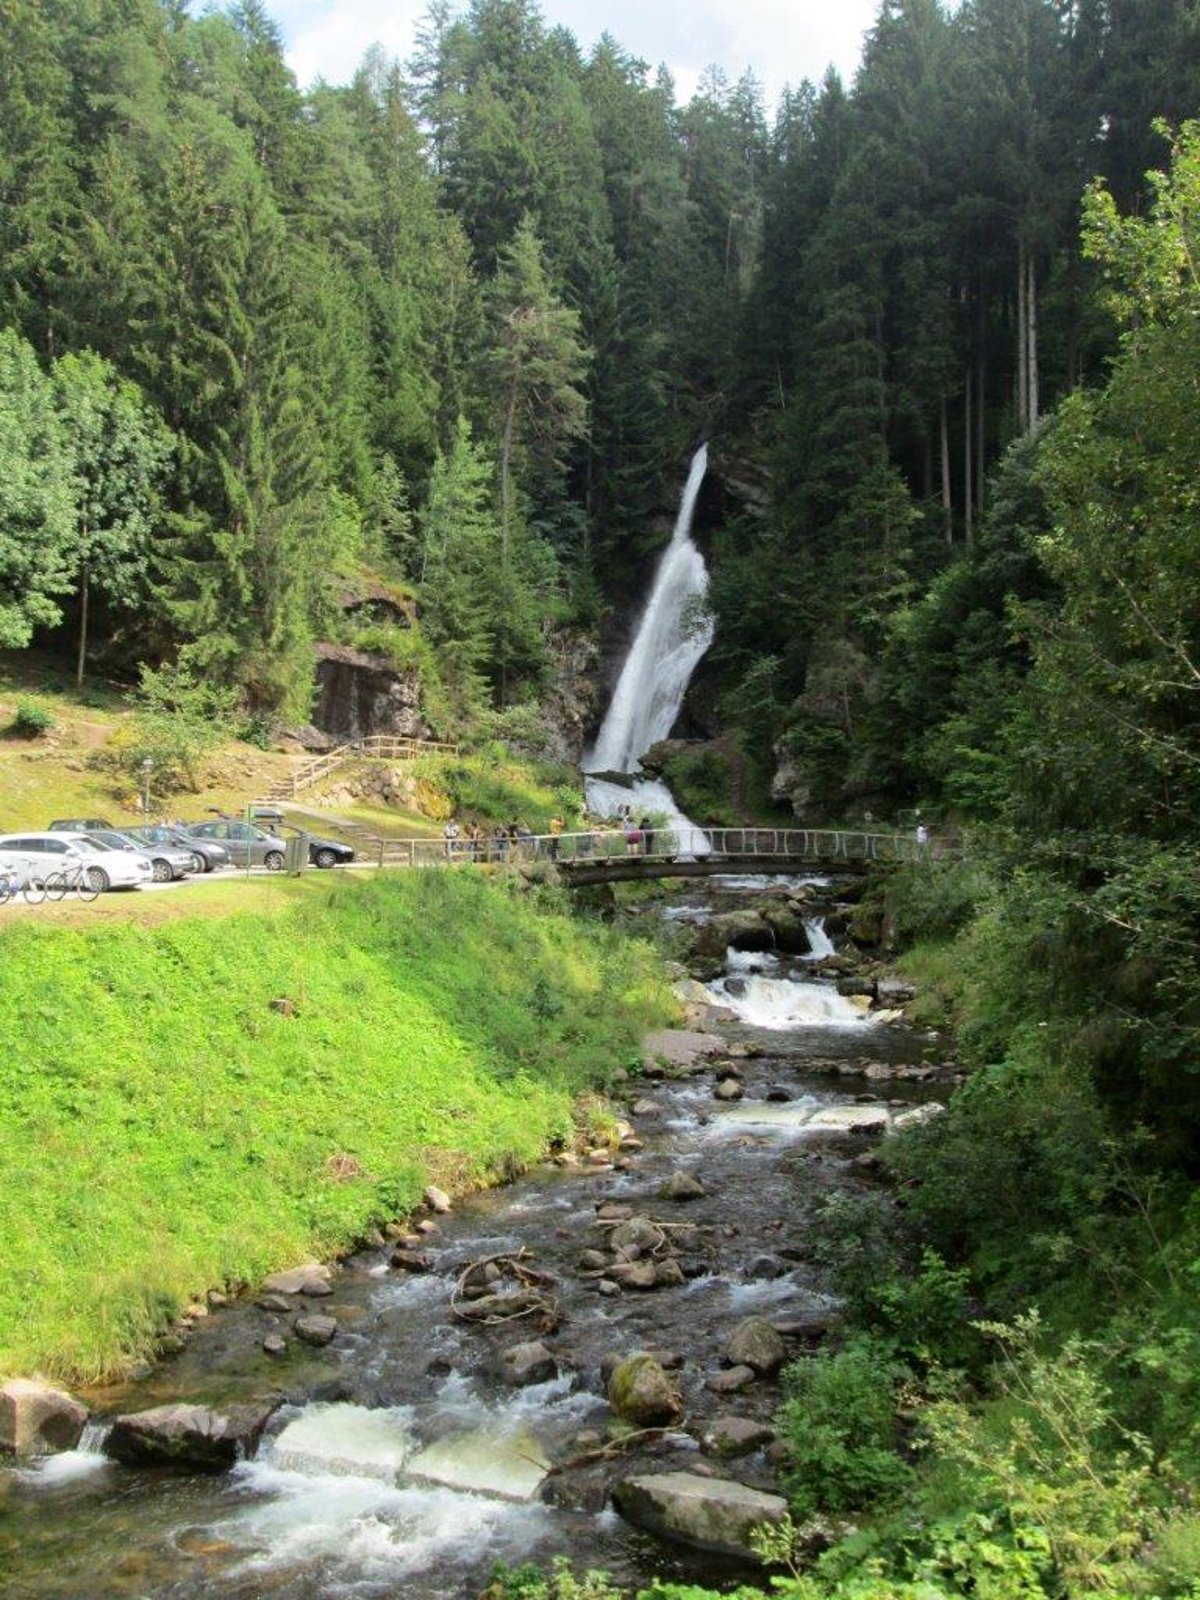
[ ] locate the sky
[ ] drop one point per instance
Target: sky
(781, 41)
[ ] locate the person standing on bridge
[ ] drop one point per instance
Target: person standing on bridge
(647, 830)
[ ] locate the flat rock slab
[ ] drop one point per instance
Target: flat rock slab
(679, 1049)
(708, 1513)
(297, 1279)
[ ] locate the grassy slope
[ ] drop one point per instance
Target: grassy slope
(162, 1130)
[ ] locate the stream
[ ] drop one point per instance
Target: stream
(400, 1461)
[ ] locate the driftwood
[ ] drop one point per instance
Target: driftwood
(614, 1448)
(496, 1306)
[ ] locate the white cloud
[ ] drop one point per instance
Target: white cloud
(781, 41)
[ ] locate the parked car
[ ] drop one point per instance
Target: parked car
(329, 852)
(167, 861)
(80, 825)
(246, 844)
(57, 852)
(321, 852)
(207, 852)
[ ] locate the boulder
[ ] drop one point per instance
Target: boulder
(37, 1419)
(677, 1051)
(187, 1436)
(316, 1330)
(294, 1281)
(917, 1115)
(732, 1381)
(709, 1513)
(789, 930)
(530, 1362)
(682, 1186)
(895, 991)
(635, 1237)
(437, 1199)
(640, 1392)
(735, 1436)
(274, 1344)
(729, 1089)
(634, 1274)
(754, 1343)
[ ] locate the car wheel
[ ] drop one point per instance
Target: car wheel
(273, 861)
(324, 858)
(199, 865)
(99, 879)
(160, 870)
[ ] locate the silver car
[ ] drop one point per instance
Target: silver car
(167, 861)
(247, 845)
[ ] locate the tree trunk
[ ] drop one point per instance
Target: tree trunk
(947, 503)
(1031, 342)
(84, 586)
(980, 431)
(1022, 346)
(968, 447)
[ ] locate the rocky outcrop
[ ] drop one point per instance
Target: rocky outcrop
(36, 1419)
(187, 1436)
(709, 1513)
(359, 694)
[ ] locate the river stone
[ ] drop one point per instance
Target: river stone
(645, 1107)
(635, 1274)
(437, 1199)
(668, 1274)
(729, 1089)
(638, 1233)
(736, 1436)
(593, 1261)
(754, 1343)
(412, 1260)
(709, 1513)
(316, 1330)
(640, 1392)
(37, 1419)
(528, 1363)
(895, 991)
(731, 1381)
(608, 1288)
(680, 1051)
(274, 1344)
(296, 1278)
(850, 1119)
(682, 1186)
(917, 1116)
(187, 1436)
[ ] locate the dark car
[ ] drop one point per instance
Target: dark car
(246, 844)
(207, 852)
(321, 852)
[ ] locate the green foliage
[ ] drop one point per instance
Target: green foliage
(937, 899)
(179, 719)
(839, 1428)
(31, 720)
(195, 1132)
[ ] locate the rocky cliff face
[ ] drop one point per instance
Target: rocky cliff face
(359, 694)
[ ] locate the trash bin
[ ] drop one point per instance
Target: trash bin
(295, 854)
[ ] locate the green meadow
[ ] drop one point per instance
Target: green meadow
(164, 1130)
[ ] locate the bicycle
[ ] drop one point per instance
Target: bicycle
(33, 888)
(79, 878)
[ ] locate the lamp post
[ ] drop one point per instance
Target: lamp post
(147, 767)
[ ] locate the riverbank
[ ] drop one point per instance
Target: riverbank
(186, 1107)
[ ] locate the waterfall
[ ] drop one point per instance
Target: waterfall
(673, 633)
(671, 637)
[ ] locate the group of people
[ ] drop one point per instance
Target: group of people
(505, 841)
(639, 836)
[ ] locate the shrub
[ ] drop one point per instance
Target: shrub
(839, 1426)
(31, 720)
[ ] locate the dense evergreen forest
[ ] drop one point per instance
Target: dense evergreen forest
(449, 332)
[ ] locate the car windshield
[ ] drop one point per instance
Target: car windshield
(111, 841)
(84, 841)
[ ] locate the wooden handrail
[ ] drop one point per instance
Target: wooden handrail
(375, 746)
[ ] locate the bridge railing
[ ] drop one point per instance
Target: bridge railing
(805, 846)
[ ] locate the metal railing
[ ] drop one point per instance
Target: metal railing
(597, 847)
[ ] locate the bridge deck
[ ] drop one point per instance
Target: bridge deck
(605, 855)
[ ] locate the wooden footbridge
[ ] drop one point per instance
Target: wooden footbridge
(604, 856)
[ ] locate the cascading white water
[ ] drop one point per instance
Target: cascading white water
(672, 635)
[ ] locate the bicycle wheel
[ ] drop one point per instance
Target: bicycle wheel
(8, 888)
(86, 886)
(34, 890)
(56, 886)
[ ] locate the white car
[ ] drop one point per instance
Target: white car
(59, 852)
